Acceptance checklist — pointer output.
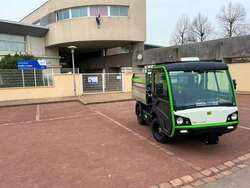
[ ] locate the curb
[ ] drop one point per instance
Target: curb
(63, 101)
(104, 102)
(210, 175)
(41, 102)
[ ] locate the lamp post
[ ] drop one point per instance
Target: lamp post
(72, 49)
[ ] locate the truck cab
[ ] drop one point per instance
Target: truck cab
(184, 98)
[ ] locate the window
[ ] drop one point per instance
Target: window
(118, 11)
(160, 83)
(63, 15)
(12, 43)
(193, 89)
(79, 12)
(96, 10)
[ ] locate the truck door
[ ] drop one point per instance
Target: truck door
(160, 99)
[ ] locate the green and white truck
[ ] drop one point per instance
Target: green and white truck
(186, 98)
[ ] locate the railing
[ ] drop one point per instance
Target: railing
(26, 78)
(102, 82)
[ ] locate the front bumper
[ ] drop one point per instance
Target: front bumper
(218, 129)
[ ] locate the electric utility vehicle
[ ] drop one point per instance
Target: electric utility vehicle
(183, 98)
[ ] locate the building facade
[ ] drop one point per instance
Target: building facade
(96, 27)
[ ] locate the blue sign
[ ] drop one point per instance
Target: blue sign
(31, 64)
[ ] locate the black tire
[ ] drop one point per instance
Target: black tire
(139, 113)
(212, 139)
(158, 135)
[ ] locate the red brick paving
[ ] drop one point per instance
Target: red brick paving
(83, 152)
(93, 151)
(205, 156)
(17, 114)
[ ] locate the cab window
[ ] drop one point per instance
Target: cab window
(160, 83)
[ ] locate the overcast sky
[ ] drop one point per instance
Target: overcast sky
(162, 15)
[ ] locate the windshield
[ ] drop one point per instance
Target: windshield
(201, 89)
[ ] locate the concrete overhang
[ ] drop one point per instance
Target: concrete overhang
(92, 46)
(16, 28)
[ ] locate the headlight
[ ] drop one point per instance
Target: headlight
(179, 121)
(182, 120)
(234, 116)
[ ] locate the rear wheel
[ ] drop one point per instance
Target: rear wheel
(158, 133)
(140, 115)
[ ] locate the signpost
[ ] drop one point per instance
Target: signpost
(31, 64)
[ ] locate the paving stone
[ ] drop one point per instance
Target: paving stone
(242, 158)
(197, 175)
(247, 155)
(229, 164)
(209, 179)
(226, 173)
(176, 182)
(187, 186)
(165, 185)
(222, 167)
(219, 176)
(235, 169)
(187, 179)
(214, 170)
(242, 165)
(236, 160)
(198, 183)
(206, 172)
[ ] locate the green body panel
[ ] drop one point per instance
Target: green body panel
(171, 100)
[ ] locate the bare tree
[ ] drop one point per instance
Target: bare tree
(232, 19)
(201, 28)
(181, 34)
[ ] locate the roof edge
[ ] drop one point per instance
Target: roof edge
(34, 11)
(23, 24)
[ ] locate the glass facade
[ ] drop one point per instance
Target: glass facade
(79, 12)
(63, 15)
(87, 11)
(12, 43)
(96, 10)
(118, 11)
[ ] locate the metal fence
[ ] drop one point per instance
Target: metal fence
(102, 82)
(25, 78)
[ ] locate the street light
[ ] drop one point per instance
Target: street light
(73, 48)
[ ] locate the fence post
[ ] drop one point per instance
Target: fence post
(43, 78)
(103, 82)
(48, 79)
(35, 77)
(23, 78)
(123, 82)
(81, 84)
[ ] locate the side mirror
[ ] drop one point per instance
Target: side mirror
(235, 84)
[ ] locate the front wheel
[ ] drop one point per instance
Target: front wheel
(158, 134)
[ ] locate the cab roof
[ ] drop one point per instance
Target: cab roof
(197, 66)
